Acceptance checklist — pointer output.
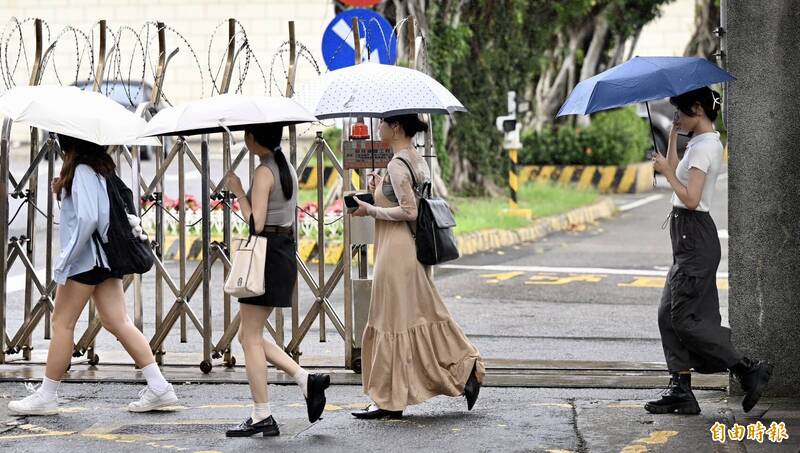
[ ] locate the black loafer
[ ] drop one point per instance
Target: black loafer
(373, 412)
(317, 383)
(472, 389)
(268, 427)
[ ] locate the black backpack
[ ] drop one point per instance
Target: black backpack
(434, 236)
(126, 252)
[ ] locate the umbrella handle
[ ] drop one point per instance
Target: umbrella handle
(653, 136)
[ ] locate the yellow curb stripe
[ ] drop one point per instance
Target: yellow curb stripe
(525, 173)
(566, 175)
(628, 178)
(586, 177)
(311, 181)
(607, 175)
(544, 175)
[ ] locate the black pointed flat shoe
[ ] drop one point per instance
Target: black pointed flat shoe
(267, 427)
(317, 383)
(472, 389)
(373, 412)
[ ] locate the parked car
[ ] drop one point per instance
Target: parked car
(129, 95)
(662, 112)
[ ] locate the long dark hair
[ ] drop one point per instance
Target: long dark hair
(269, 136)
(76, 152)
(709, 100)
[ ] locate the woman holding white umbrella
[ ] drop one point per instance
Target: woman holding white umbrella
(270, 206)
(412, 349)
(82, 269)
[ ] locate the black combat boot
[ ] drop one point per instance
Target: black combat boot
(753, 375)
(678, 397)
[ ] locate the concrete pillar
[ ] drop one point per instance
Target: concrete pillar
(763, 113)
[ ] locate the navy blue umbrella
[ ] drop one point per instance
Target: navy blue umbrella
(642, 79)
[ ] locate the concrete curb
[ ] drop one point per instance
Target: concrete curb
(485, 240)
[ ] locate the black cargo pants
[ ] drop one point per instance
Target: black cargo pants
(688, 317)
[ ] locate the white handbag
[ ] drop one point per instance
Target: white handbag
(248, 263)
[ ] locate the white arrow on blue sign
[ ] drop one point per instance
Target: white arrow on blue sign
(378, 43)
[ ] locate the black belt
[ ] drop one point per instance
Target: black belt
(688, 212)
(289, 231)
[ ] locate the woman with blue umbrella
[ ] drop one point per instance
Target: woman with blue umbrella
(689, 321)
(688, 316)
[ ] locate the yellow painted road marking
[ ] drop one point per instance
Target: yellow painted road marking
(645, 282)
(561, 405)
(71, 410)
(657, 438)
(496, 278)
(223, 406)
(45, 434)
(634, 449)
(541, 279)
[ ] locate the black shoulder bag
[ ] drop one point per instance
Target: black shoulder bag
(127, 252)
(435, 241)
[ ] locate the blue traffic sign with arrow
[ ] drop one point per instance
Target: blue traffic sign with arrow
(378, 42)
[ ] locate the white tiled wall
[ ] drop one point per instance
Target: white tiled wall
(264, 21)
(669, 34)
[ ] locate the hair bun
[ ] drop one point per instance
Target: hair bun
(420, 126)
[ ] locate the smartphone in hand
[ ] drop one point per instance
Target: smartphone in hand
(351, 204)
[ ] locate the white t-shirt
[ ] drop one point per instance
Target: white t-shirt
(703, 152)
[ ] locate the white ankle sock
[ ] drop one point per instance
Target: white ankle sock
(49, 388)
(155, 380)
(301, 377)
(261, 411)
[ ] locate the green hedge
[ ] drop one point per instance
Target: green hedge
(616, 137)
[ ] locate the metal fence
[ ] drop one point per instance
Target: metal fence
(184, 299)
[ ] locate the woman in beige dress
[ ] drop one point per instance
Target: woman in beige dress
(412, 349)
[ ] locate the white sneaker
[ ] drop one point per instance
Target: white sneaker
(34, 404)
(150, 400)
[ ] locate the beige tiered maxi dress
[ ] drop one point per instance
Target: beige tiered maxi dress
(412, 349)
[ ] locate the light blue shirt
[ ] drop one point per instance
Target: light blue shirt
(83, 211)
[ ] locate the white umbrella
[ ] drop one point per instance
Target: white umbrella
(226, 111)
(377, 90)
(71, 111)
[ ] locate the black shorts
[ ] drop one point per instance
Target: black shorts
(280, 272)
(94, 277)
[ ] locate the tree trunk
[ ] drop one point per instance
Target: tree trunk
(704, 43)
(552, 87)
(593, 55)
